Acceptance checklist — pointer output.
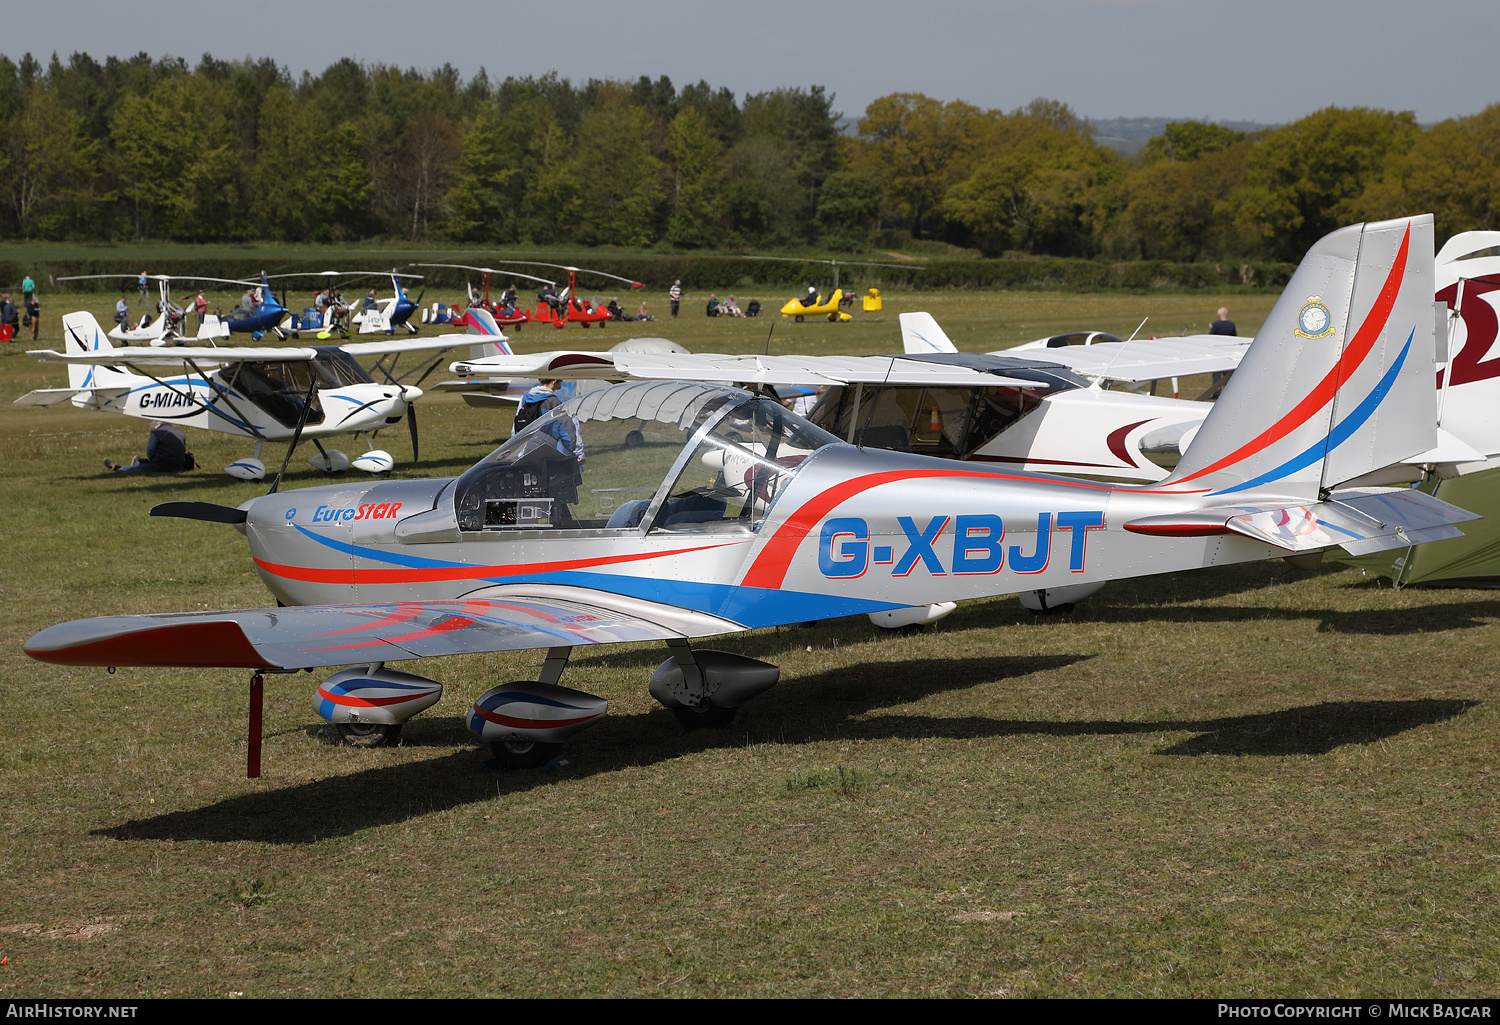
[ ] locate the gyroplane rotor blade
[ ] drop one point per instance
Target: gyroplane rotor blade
(491, 270)
(576, 270)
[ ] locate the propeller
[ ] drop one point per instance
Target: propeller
(411, 425)
(199, 511)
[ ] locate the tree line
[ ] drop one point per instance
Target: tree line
(143, 148)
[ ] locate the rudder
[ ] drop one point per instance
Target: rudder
(1339, 379)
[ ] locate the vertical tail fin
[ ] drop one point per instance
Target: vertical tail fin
(82, 333)
(920, 333)
(1339, 380)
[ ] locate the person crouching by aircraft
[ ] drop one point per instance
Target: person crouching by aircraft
(166, 452)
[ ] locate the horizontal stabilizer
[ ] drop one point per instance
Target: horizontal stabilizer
(52, 396)
(1358, 519)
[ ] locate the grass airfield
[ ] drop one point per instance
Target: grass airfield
(1240, 782)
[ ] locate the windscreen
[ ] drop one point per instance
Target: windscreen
(601, 460)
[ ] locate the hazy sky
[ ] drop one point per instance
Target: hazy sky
(1270, 61)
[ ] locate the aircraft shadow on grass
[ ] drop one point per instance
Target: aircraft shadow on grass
(818, 708)
(1461, 615)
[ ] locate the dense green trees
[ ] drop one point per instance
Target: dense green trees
(224, 150)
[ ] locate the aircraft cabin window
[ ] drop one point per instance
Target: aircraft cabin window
(279, 389)
(600, 460)
(338, 369)
(739, 468)
(949, 422)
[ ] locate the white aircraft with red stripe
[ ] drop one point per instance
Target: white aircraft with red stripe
(671, 511)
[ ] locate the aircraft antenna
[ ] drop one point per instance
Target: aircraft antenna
(874, 399)
(1119, 352)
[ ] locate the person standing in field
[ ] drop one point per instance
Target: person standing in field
(200, 307)
(141, 286)
(28, 289)
(33, 312)
(1223, 326)
(675, 295)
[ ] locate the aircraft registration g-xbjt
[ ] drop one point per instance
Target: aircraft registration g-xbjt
(670, 511)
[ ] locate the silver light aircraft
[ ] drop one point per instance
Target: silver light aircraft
(669, 511)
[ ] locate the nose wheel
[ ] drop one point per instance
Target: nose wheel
(370, 734)
(703, 717)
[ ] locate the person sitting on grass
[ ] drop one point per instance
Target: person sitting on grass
(166, 452)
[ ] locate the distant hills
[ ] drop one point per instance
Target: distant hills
(1126, 135)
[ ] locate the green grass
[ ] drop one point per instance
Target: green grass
(1241, 782)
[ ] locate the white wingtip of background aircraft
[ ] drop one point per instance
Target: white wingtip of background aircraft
(269, 393)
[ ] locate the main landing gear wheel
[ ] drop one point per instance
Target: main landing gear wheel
(797, 319)
(370, 734)
(704, 717)
(520, 754)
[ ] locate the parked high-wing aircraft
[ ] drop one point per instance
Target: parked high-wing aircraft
(671, 511)
(269, 394)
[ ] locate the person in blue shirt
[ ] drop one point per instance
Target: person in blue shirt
(1223, 326)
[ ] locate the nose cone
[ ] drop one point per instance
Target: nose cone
(413, 393)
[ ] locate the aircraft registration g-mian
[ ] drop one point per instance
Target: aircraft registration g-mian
(670, 511)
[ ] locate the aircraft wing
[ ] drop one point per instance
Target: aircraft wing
(395, 345)
(505, 618)
(568, 363)
(1144, 359)
(214, 356)
(964, 370)
(203, 356)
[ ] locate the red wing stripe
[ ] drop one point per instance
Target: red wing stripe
(401, 615)
(426, 574)
(1354, 354)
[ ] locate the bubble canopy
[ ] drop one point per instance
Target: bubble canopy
(642, 456)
